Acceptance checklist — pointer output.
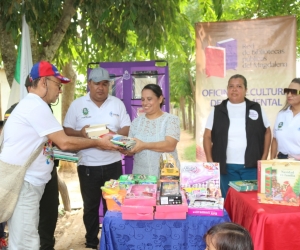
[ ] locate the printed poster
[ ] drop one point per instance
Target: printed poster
(262, 50)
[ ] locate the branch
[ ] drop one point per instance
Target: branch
(59, 32)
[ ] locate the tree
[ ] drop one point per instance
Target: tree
(86, 30)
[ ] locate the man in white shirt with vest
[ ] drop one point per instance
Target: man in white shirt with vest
(29, 125)
(96, 166)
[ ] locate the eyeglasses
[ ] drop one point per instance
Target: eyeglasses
(292, 91)
(59, 85)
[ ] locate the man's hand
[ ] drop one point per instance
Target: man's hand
(106, 144)
(83, 132)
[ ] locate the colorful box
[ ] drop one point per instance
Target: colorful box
(170, 216)
(279, 182)
(206, 207)
(170, 193)
(172, 212)
(137, 216)
(173, 208)
(201, 182)
(141, 195)
(129, 209)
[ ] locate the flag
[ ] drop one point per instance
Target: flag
(23, 66)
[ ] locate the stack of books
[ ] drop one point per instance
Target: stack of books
(244, 185)
(96, 130)
(123, 141)
(65, 156)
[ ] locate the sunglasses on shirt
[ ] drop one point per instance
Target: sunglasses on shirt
(292, 91)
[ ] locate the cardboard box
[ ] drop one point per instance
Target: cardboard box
(137, 216)
(206, 207)
(170, 216)
(141, 195)
(129, 209)
(170, 193)
(172, 212)
(173, 208)
(279, 182)
(201, 182)
(200, 175)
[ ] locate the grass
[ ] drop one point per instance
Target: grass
(190, 153)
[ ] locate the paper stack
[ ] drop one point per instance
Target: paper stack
(95, 131)
(65, 156)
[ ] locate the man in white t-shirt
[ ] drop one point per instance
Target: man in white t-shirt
(31, 124)
(96, 166)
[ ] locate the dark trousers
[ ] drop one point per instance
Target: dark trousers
(91, 180)
(49, 212)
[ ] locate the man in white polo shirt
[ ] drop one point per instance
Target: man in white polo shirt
(96, 166)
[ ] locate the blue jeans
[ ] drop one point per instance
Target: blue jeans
(236, 172)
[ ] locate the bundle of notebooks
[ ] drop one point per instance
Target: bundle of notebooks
(123, 141)
(244, 185)
(65, 155)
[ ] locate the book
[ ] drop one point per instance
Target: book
(244, 185)
(123, 141)
(65, 155)
(279, 182)
(230, 46)
(95, 131)
(215, 61)
(66, 158)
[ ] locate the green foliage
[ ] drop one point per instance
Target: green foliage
(190, 153)
(80, 89)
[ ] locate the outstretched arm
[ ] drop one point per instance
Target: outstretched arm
(77, 133)
(168, 145)
(72, 143)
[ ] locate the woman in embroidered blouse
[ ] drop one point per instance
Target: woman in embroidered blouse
(155, 132)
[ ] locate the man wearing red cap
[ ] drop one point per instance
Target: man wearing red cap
(30, 125)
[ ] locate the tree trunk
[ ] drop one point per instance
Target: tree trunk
(8, 53)
(182, 107)
(63, 189)
(190, 117)
(68, 90)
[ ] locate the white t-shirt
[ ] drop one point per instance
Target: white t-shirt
(27, 127)
(83, 111)
(287, 132)
(237, 139)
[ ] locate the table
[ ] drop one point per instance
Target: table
(118, 234)
(271, 226)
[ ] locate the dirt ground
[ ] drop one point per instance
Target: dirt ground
(70, 231)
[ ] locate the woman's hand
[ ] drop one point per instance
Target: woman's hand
(126, 152)
(139, 146)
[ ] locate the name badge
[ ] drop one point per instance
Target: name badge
(253, 114)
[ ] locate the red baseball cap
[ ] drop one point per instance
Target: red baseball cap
(44, 68)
